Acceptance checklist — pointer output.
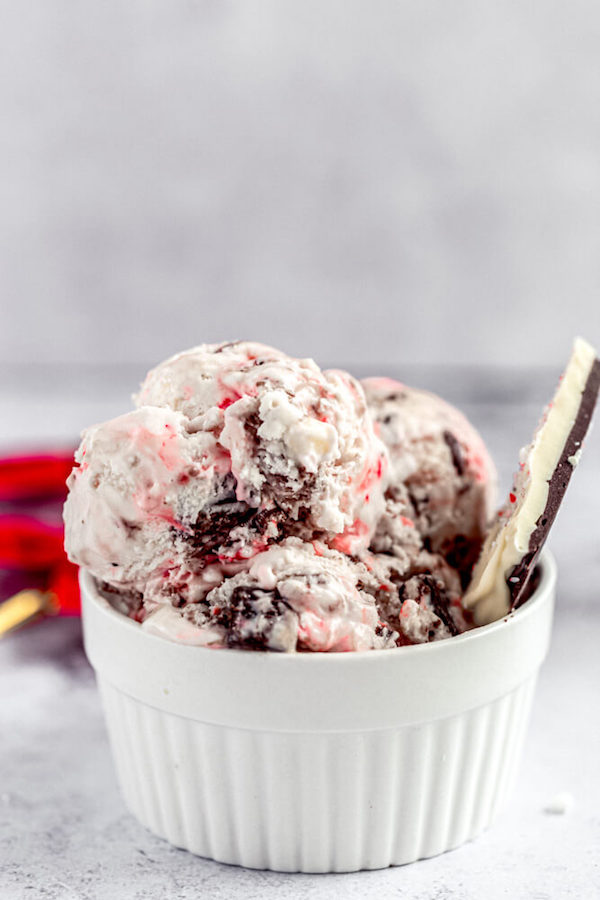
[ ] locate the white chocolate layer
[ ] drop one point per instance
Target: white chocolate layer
(508, 542)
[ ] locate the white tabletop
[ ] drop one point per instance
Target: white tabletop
(64, 831)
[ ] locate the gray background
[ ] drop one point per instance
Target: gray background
(359, 182)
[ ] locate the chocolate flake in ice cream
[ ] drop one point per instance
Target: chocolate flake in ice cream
(253, 501)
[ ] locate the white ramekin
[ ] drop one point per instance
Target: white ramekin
(325, 762)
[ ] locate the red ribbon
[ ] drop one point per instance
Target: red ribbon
(34, 477)
(29, 543)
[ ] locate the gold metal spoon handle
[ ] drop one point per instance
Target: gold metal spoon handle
(25, 607)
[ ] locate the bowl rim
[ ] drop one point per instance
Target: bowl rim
(544, 589)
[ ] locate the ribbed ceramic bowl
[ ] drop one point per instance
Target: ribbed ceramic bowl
(325, 762)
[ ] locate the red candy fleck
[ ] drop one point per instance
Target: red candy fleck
(512, 497)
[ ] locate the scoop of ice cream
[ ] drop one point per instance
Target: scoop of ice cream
(298, 440)
(294, 596)
(234, 447)
(442, 480)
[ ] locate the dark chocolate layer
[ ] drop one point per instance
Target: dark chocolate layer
(518, 578)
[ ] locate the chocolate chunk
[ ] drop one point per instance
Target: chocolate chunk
(455, 452)
(244, 605)
(127, 602)
(461, 553)
(439, 602)
(212, 529)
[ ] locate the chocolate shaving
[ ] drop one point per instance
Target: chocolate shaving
(439, 602)
(226, 346)
(518, 578)
(455, 451)
(130, 527)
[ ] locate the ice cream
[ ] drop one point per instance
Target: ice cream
(442, 485)
(306, 596)
(253, 501)
(293, 596)
(233, 447)
(294, 438)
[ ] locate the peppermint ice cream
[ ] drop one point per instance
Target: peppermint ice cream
(253, 501)
(293, 596)
(233, 447)
(296, 439)
(442, 484)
